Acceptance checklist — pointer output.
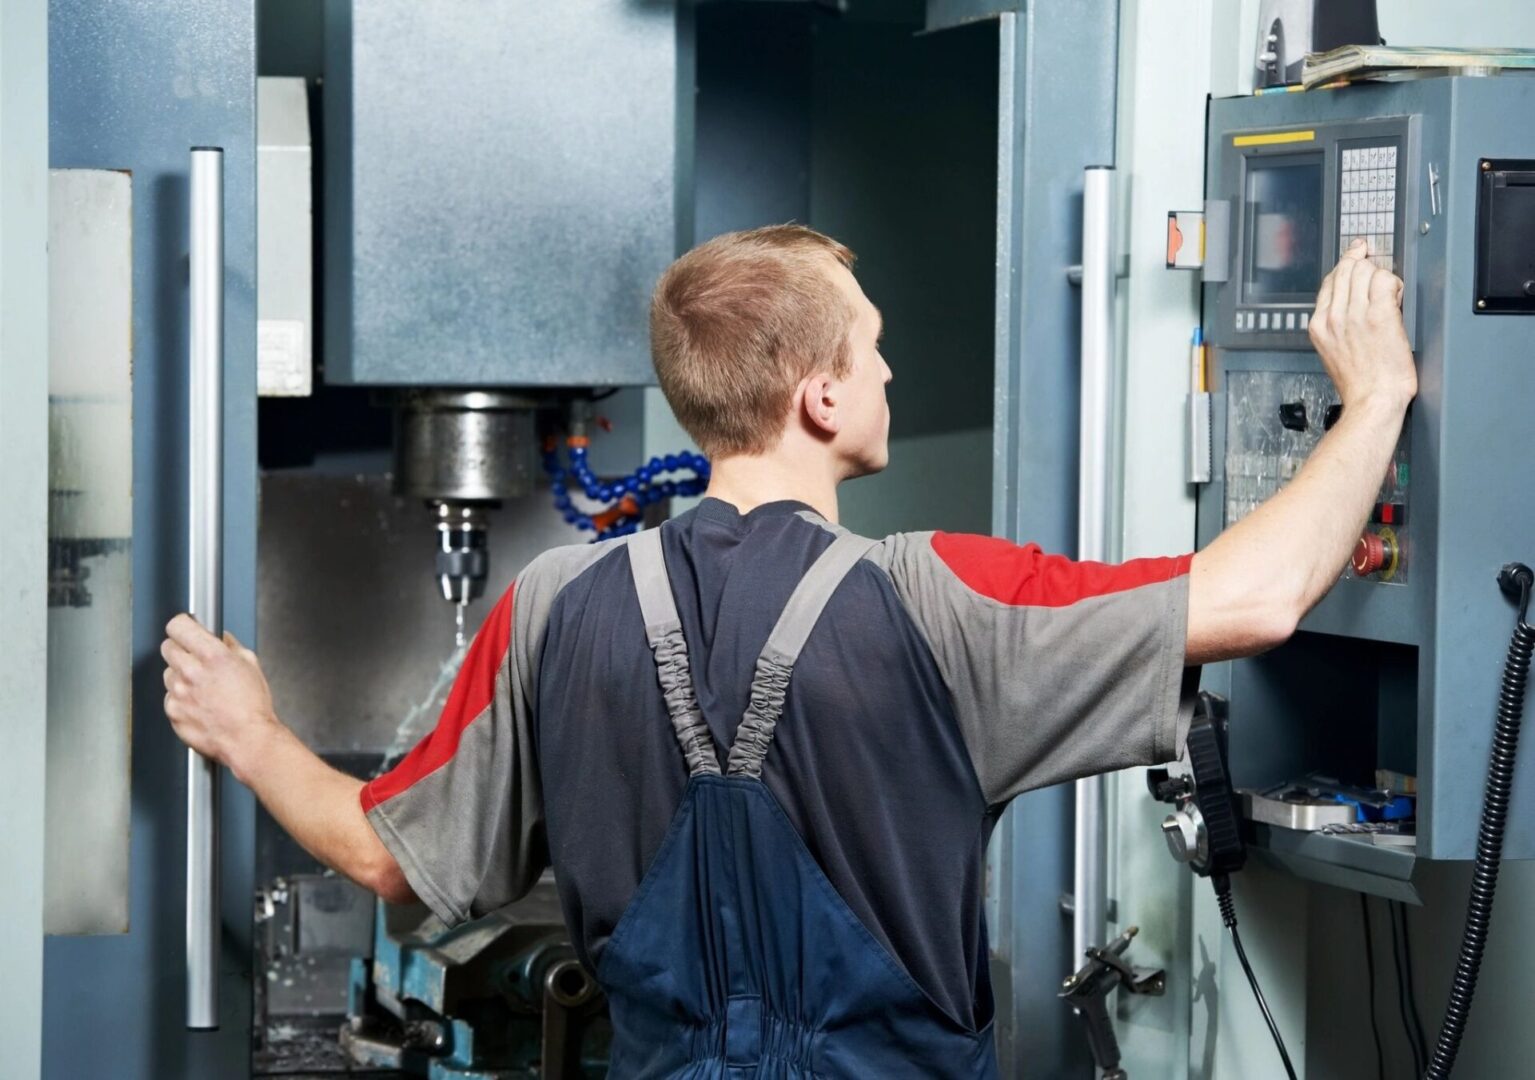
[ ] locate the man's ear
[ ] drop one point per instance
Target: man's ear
(820, 404)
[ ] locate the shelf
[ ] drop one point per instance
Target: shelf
(1349, 862)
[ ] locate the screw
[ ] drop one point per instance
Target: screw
(1486, 166)
(1481, 305)
(1423, 228)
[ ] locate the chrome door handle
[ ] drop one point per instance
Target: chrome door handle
(205, 517)
(1090, 840)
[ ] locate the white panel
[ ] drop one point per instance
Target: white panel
(90, 478)
(1503, 24)
(284, 240)
(1173, 53)
(23, 495)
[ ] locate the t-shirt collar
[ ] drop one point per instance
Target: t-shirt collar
(719, 510)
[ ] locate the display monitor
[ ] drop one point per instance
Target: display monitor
(1283, 229)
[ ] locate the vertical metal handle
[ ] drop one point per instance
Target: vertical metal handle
(1090, 848)
(205, 518)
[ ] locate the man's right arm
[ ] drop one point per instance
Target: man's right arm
(217, 699)
(320, 807)
(1250, 587)
(457, 823)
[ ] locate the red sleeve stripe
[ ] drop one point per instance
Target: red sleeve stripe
(1027, 577)
(472, 693)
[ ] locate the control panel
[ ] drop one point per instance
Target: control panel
(1382, 702)
(1296, 197)
(1274, 420)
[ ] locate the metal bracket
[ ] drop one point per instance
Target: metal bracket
(1121, 271)
(1068, 906)
(1087, 990)
(1185, 239)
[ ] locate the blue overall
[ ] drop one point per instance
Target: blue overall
(737, 957)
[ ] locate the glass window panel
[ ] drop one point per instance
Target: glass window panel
(90, 526)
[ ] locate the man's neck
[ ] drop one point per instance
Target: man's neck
(747, 482)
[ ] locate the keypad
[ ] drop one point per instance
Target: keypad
(1367, 202)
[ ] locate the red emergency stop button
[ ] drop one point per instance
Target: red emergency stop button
(1370, 554)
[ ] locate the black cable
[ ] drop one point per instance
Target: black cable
(1489, 842)
(1222, 885)
(1412, 991)
(1401, 992)
(1369, 967)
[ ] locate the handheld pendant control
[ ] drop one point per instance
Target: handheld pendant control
(1204, 829)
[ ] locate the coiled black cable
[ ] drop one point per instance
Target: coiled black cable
(1489, 844)
(1228, 908)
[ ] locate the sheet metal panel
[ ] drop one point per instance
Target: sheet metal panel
(1057, 109)
(501, 189)
(134, 86)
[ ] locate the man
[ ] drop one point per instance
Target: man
(764, 755)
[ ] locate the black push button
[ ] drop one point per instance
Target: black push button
(1292, 414)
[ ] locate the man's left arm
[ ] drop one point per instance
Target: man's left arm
(1056, 669)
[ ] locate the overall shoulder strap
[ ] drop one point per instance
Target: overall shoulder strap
(770, 683)
(663, 629)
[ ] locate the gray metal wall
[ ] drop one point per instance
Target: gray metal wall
(355, 630)
(885, 139)
(752, 121)
(903, 168)
(134, 86)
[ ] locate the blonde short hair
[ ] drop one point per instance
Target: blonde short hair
(737, 322)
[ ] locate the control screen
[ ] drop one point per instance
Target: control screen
(1284, 229)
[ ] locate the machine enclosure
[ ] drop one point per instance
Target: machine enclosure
(502, 189)
(1403, 674)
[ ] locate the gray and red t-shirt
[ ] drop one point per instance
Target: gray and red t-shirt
(948, 674)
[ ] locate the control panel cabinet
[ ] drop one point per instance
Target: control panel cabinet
(1391, 681)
